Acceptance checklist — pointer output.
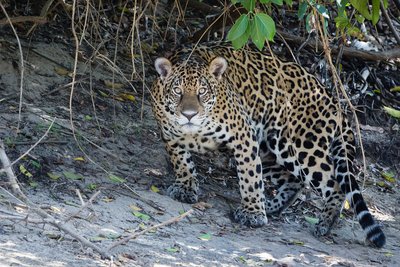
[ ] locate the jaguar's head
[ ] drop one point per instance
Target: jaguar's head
(190, 90)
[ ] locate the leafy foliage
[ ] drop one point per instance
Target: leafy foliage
(259, 26)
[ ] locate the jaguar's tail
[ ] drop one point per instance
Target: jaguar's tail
(343, 151)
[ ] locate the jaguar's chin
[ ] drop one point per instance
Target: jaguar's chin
(190, 127)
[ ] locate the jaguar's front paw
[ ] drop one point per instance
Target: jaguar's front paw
(253, 219)
(182, 194)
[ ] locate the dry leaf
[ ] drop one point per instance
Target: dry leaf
(61, 71)
(112, 85)
(392, 112)
(135, 208)
(127, 97)
(154, 189)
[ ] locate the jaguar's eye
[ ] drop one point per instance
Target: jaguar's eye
(202, 91)
(177, 90)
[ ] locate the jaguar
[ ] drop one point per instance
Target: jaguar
(283, 126)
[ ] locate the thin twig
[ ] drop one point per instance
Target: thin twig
(83, 206)
(30, 149)
(135, 235)
(338, 83)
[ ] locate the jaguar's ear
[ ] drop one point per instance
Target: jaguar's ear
(218, 67)
(163, 67)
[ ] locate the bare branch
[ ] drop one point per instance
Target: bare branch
(135, 235)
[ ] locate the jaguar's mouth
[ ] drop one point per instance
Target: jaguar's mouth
(190, 127)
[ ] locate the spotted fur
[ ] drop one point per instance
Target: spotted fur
(280, 122)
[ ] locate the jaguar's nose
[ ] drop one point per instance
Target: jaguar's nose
(189, 114)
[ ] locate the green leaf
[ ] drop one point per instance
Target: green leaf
(360, 18)
(53, 176)
(362, 7)
(278, 2)
(72, 175)
(242, 259)
(205, 237)
(298, 243)
(154, 189)
(388, 254)
(342, 3)
(342, 22)
(385, 3)
(392, 112)
(239, 28)
(265, 27)
(311, 220)
(33, 184)
(140, 215)
(375, 11)
(322, 10)
(35, 164)
(242, 40)
(172, 250)
(111, 235)
(24, 171)
(395, 89)
(248, 4)
(289, 2)
(265, 1)
(389, 176)
(258, 33)
(302, 10)
(354, 31)
(310, 22)
(116, 179)
(91, 186)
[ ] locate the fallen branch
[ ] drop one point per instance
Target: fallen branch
(68, 230)
(12, 181)
(200, 6)
(234, 12)
(135, 235)
(347, 51)
(47, 217)
(35, 19)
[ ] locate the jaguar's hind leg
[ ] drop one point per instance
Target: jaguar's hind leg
(285, 194)
(287, 186)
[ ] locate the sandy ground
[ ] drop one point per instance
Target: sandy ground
(112, 138)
